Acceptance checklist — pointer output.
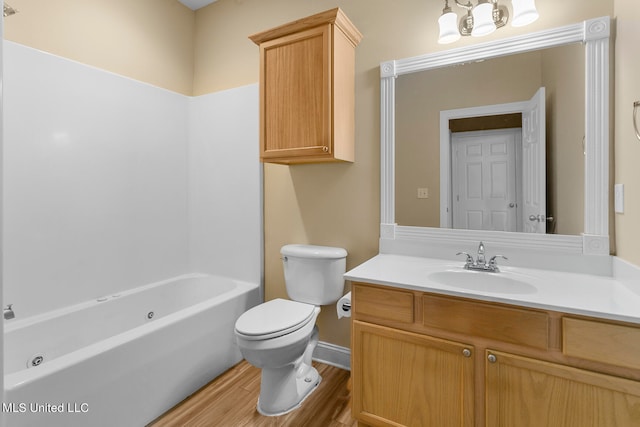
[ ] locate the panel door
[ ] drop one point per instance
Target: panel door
(534, 181)
(526, 392)
(484, 178)
(295, 94)
(405, 379)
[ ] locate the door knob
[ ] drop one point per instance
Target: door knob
(512, 205)
(538, 218)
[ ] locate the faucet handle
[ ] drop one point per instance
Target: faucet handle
(493, 261)
(469, 257)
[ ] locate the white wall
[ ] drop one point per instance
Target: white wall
(97, 182)
(225, 184)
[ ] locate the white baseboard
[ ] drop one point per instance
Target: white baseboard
(333, 355)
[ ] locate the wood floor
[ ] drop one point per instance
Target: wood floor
(230, 401)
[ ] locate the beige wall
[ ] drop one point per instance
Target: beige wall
(321, 204)
(627, 146)
(564, 79)
(147, 40)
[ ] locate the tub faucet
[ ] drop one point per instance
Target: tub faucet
(8, 312)
(481, 264)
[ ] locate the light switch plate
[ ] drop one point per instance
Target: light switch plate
(423, 193)
(618, 193)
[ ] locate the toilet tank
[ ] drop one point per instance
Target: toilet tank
(314, 274)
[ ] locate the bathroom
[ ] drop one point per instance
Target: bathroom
(231, 215)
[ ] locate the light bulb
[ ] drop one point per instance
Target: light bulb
(483, 20)
(524, 12)
(449, 33)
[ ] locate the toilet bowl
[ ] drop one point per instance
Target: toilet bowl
(284, 356)
(279, 336)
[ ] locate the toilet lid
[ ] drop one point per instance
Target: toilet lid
(274, 318)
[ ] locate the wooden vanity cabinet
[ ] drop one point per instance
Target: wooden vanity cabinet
(421, 359)
(411, 379)
(528, 392)
(307, 90)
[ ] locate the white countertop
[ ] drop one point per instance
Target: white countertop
(589, 295)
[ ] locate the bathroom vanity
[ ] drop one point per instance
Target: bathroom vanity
(553, 338)
(433, 352)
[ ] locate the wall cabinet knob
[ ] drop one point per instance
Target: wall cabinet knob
(492, 358)
(466, 352)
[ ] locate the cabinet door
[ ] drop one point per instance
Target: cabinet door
(526, 392)
(405, 379)
(295, 95)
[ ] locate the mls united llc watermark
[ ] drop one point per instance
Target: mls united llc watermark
(66, 408)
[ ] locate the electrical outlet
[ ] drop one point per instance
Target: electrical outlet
(423, 193)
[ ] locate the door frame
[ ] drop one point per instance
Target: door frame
(446, 200)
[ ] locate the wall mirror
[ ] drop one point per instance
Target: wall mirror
(433, 103)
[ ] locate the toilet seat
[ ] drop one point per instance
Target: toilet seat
(273, 319)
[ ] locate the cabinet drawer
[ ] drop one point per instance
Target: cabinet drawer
(513, 325)
(373, 303)
(601, 342)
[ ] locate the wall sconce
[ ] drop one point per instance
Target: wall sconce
(8, 10)
(483, 19)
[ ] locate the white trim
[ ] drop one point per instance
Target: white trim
(333, 355)
(594, 34)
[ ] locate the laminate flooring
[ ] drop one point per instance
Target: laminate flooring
(230, 401)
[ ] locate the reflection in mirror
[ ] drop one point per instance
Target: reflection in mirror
(422, 168)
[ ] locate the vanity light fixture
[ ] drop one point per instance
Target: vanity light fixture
(483, 18)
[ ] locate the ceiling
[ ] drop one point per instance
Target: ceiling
(196, 4)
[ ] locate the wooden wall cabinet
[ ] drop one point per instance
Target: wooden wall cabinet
(307, 90)
(433, 360)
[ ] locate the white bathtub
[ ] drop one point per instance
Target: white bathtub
(125, 360)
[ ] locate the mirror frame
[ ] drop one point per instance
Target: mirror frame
(594, 34)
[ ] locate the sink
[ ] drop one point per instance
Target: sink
(498, 283)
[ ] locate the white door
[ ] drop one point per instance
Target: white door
(534, 183)
(484, 179)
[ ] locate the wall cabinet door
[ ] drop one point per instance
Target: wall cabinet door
(296, 104)
(307, 90)
(526, 392)
(406, 379)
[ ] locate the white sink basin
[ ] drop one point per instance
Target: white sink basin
(499, 283)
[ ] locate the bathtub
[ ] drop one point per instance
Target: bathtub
(122, 360)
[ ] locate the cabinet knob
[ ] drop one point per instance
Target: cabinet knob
(466, 352)
(492, 358)
(325, 149)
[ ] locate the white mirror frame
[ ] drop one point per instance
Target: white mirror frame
(594, 34)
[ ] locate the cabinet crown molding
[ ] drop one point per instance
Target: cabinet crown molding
(333, 16)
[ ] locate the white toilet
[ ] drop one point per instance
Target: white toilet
(279, 336)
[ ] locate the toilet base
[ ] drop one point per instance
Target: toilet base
(292, 391)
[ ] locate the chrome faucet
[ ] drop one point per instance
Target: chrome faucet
(8, 312)
(480, 263)
(480, 258)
